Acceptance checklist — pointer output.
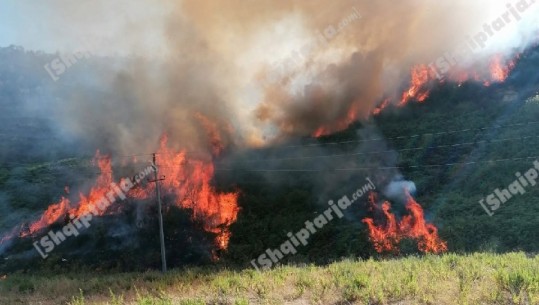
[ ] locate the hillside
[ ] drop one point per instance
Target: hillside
(236, 152)
(458, 146)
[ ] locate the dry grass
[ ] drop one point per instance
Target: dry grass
(450, 279)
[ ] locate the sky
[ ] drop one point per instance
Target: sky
(138, 26)
(98, 26)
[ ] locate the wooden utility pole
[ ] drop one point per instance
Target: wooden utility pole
(161, 232)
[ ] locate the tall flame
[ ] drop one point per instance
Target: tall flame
(420, 76)
(58, 211)
(188, 179)
(500, 69)
(387, 236)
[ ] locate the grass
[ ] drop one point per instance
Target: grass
(449, 279)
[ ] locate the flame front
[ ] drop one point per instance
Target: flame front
(387, 237)
(189, 180)
(327, 129)
(58, 211)
(420, 76)
(500, 69)
(422, 79)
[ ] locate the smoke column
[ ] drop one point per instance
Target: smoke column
(219, 59)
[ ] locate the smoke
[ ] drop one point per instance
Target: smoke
(334, 62)
(236, 72)
(399, 189)
(241, 73)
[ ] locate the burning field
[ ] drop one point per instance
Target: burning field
(240, 149)
(189, 181)
(387, 236)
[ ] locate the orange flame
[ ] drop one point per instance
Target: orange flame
(57, 211)
(350, 117)
(421, 75)
(381, 107)
(499, 69)
(386, 237)
(188, 179)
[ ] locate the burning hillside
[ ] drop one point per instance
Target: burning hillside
(188, 180)
(226, 79)
(386, 232)
(422, 79)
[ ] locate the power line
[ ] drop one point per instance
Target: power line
(384, 151)
(69, 159)
(411, 136)
(381, 167)
(486, 142)
(86, 158)
(390, 150)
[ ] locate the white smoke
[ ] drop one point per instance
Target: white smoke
(399, 189)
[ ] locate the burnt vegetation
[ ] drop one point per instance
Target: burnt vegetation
(443, 145)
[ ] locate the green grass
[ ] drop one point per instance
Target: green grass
(449, 279)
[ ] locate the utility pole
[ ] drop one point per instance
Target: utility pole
(161, 232)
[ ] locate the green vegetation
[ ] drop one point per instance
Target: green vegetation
(490, 123)
(444, 145)
(449, 279)
(452, 172)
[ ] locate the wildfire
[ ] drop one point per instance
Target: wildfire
(350, 117)
(420, 75)
(386, 237)
(189, 180)
(422, 78)
(381, 107)
(58, 211)
(499, 70)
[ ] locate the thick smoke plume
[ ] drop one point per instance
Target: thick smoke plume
(201, 61)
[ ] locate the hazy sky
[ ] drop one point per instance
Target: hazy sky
(127, 26)
(102, 26)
